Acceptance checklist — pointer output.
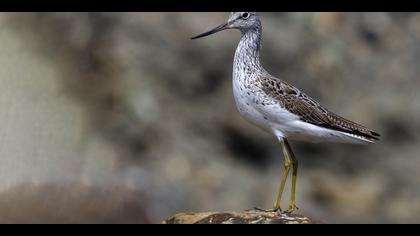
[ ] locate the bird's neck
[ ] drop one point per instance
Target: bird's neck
(247, 54)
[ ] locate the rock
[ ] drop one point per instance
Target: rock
(233, 217)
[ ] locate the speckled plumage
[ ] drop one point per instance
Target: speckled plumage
(280, 108)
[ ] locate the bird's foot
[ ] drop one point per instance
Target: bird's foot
(268, 210)
(292, 209)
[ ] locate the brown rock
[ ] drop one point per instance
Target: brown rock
(233, 217)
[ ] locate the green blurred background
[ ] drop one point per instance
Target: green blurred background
(120, 118)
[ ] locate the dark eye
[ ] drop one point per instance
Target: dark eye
(245, 15)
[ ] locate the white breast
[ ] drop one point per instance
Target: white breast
(267, 117)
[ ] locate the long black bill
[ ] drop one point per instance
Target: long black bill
(215, 30)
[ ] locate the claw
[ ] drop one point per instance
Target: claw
(268, 210)
(292, 209)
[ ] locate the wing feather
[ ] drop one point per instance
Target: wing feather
(311, 111)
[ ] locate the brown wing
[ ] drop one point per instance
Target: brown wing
(310, 111)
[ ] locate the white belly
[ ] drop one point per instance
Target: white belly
(250, 113)
(264, 116)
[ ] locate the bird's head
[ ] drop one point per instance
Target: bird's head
(243, 21)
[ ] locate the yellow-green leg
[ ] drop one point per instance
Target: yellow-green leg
(292, 206)
(286, 166)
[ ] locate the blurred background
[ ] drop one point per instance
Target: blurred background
(120, 118)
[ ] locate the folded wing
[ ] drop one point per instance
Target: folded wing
(312, 112)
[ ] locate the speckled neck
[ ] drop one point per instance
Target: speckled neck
(247, 56)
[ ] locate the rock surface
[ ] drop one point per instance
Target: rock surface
(233, 217)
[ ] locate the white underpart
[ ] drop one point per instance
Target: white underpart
(300, 130)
